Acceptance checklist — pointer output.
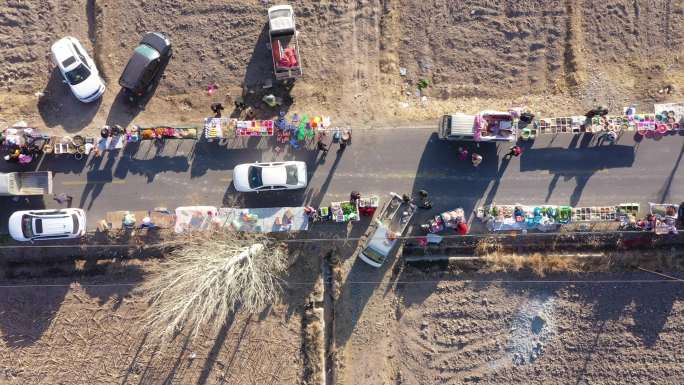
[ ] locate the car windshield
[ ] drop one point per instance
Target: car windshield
(374, 255)
(77, 75)
(26, 227)
(147, 51)
(291, 174)
(255, 177)
(75, 219)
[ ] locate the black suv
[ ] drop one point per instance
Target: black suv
(145, 64)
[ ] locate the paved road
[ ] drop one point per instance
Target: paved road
(563, 169)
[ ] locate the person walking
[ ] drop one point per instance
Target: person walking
(476, 159)
(514, 151)
(62, 198)
(322, 147)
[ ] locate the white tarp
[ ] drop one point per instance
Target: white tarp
(264, 220)
(190, 218)
(677, 108)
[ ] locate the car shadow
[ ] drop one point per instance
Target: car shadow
(122, 111)
(18, 203)
(59, 107)
(259, 68)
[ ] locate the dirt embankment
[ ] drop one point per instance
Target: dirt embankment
(554, 56)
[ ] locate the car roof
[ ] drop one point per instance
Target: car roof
(142, 56)
(55, 225)
(379, 240)
(273, 175)
(157, 41)
(63, 50)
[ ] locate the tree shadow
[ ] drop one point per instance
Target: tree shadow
(212, 156)
(29, 311)
(59, 107)
(219, 342)
(97, 177)
(579, 163)
(664, 194)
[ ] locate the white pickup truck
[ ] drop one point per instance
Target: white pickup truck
(391, 224)
(26, 183)
(487, 126)
(282, 35)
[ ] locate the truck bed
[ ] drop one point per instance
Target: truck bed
(35, 183)
(26, 183)
(286, 59)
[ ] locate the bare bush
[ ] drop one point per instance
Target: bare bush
(208, 277)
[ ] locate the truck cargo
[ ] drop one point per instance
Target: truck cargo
(26, 183)
(487, 126)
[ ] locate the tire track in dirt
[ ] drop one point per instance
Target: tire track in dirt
(389, 32)
(93, 17)
(573, 61)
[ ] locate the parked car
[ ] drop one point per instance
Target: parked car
(290, 175)
(78, 69)
(43, 225)
(144, 66)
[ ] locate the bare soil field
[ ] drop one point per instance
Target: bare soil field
(86, 328)
(554, 56)
(427, 327)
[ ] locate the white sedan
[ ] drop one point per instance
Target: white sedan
(289, 175)
(43, 225)
(78, 69)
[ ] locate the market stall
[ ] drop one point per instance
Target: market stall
(452, 219)
(160, 132)
(21, 144)
(550, 217)
(645, 124)
(663, 218)
(191, 218)
(300, 129)
(229, 128)
(264, 220)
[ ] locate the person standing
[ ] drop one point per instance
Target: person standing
(462, 153)
(216, 108)
(476, 159)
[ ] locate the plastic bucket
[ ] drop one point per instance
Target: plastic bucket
(525, 133)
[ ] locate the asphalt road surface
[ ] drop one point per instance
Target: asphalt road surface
(562, 169)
